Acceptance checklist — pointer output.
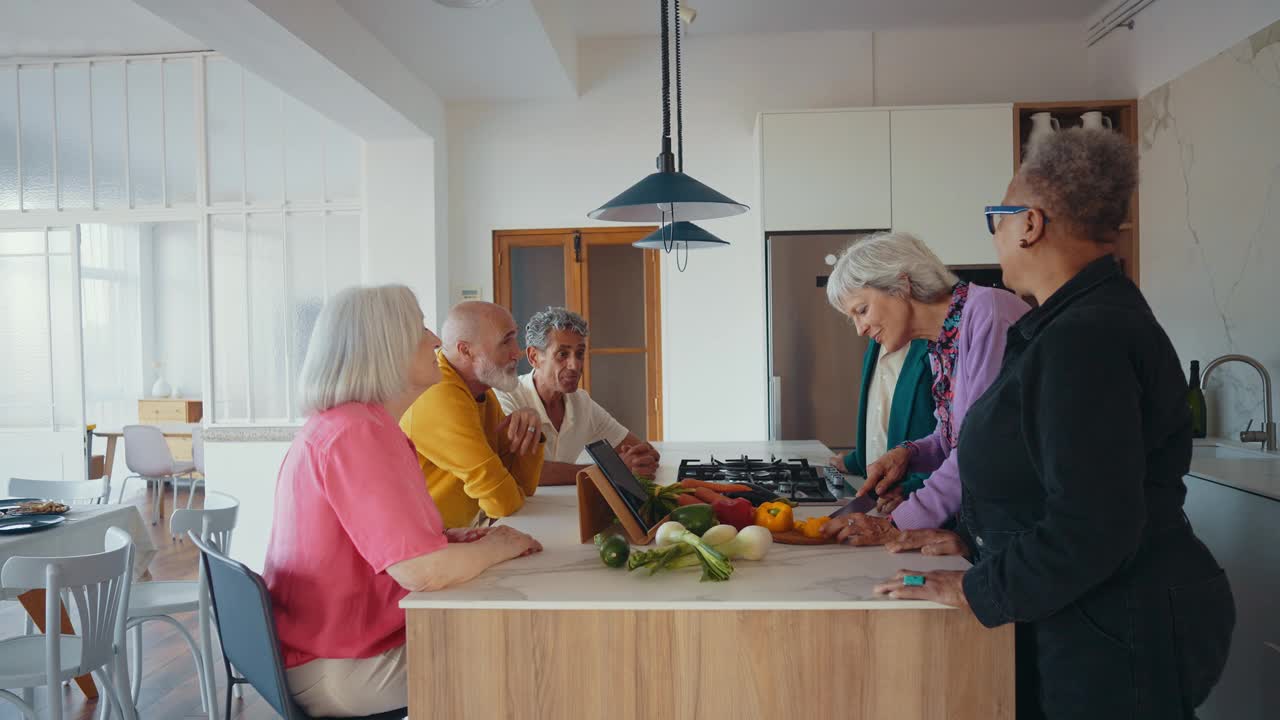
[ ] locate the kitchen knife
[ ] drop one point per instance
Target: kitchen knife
(864, 504)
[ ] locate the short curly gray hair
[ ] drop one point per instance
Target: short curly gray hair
(1084, 178)
(881, 262)
(553, 318)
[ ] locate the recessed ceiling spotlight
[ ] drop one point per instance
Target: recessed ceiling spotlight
(467, 3)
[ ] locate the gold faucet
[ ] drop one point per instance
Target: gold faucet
(1267, 435)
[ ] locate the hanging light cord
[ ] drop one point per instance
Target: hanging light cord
(666, 72)
(679, 96)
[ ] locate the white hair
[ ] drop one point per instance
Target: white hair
(893, 262)
(363, 344)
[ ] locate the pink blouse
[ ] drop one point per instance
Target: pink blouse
(350, 502)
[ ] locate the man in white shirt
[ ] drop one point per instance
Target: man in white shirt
(556, 345)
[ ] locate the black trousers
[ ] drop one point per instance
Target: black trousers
(1148, 644)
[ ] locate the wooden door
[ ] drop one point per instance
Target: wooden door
(597, 273)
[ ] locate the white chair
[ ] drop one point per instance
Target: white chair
(148, 457)
(197, 459)
(99, 585)
(159, 601)
(71, 492)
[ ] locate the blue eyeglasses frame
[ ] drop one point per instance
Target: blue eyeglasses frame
(992, 210)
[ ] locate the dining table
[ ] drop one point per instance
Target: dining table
(81, 533)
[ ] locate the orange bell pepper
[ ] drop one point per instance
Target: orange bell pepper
(775, 516)
(812, 527)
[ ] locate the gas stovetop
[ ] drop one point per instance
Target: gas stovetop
(792, 479)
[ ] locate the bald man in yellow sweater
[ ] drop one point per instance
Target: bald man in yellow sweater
(476, 458)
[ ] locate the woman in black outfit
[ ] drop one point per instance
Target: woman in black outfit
(1072, 466)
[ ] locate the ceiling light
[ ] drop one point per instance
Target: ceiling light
(467, 3)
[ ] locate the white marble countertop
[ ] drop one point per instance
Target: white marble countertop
(568, 575)
(1237, 465)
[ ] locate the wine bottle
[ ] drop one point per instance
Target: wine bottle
(1195, 402)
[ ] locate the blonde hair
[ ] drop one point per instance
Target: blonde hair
(361, 349)
(881, 262)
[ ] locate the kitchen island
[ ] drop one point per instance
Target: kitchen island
(797, 634)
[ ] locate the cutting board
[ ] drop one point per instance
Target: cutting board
(795, 537)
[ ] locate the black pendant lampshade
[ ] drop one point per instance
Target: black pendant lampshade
(669, 195)
(677, 234)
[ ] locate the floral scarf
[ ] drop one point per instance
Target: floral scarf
(942, 360)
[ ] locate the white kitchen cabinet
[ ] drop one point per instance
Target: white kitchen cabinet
(949, 163)
(826, 170)
(1243, 532)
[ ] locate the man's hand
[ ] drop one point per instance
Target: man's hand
(522, 430)
(641, 458)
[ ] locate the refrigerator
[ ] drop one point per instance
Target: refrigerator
(815, 354)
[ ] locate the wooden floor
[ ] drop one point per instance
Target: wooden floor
(169, 686)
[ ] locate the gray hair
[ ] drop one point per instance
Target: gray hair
(553, 318)
(363, 344)
(1084, 178)
(893, 262)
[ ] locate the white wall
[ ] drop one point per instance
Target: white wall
(548, 164)
(1169, 38)
(400, 226)
(1210, 207)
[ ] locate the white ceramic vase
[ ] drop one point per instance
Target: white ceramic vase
(1043, 125)
(160, 389)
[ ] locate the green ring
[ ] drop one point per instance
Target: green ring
(913, 580)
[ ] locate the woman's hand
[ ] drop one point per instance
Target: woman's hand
(886, 472)
(837, 462)
(890, 501)
(511, 543)
(860, 530)
(929, 542)
(465, 535)
(941, 586)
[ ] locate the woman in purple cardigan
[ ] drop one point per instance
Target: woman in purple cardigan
(895, 290)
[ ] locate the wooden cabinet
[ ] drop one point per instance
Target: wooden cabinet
(1122, 116)
(166, 411)
(948, 164)
(1243, 532)
(160, 411)
(826, 170)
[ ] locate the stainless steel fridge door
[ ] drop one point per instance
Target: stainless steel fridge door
(815, 353)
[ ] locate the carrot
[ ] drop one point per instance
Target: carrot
(708, 495)
(688, 499)
(718, 487)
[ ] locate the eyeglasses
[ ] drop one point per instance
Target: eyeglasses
(992, 210)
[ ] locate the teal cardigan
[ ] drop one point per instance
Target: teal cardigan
(911, 413)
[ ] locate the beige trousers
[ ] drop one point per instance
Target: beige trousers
(349, 687)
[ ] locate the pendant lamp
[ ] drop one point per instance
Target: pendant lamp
(668, 195)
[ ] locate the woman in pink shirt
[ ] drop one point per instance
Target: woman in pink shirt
(354, 529)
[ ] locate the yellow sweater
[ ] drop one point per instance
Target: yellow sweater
(462, 455)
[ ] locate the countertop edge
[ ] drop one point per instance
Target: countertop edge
(411, 603)
(280, 433)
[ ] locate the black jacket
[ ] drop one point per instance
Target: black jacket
(1072, 466)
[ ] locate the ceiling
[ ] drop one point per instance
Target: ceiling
(505, 51)
(596, 18)
(85, 27)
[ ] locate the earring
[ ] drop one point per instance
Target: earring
(1023, 244)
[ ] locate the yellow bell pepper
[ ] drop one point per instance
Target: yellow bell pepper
(775, 516)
